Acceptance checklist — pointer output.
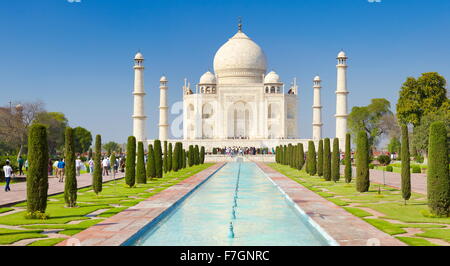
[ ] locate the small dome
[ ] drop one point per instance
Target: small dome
(317, 78)
(139, 56)
(208, 78)
(163, 79)
(342, 55)
(272, 77)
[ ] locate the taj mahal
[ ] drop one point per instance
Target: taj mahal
(241, 103)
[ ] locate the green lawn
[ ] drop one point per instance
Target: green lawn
(389, 203)
(114, 198)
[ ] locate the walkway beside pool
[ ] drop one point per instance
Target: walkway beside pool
(391, 179)
(117, 229)
(18, 191)
(346, 229)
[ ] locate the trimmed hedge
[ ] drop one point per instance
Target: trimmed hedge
(335, 171)
(141, 177)
(97, 178)
(320, 159)
(158, 159)
(151, 171)
(326, 160)
(348, 159)
(312, 163)
(406, 172)
(130, 174)
(70, 186)
(362, 163)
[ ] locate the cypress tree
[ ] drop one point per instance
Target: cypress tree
(191, 156)
(166, 158)
(302, 156)
(320, 159)
(289, 151)
(130, 174)
(296, 159)
(285, 155)
(438, 173)
(180, 156)
(348, 159)
(326, 160)
(70, 187)
(335, 171)
(170, 156)
(362, 163)
(113, 161)
(312, 163)
(151, 171)
(37, 178)
(183, 158)
(158, 158)
(90, 153)
(202, 155)
(406, 172)
(97, 178)
(140, 165)
(196, 155)
(175, 157)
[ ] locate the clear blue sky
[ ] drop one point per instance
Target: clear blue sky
(77, 57)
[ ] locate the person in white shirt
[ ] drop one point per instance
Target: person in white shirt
(78, 166)
(8, 174)
(91, 166)
(105, 165)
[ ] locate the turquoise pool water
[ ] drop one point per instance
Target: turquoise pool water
(239, 194)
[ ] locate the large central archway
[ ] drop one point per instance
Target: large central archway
(239, 120)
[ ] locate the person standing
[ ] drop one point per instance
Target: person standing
(50, 167)
(20, 161)
(8, 174)
(61, 166)
(78, 166)
(91, 166)
(105, 166)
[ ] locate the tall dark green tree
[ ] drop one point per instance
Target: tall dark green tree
(362, 163)
(70, 187)
(130, 174)
(166, 158)
(348, 159)
(184, 158)
(170, 158)
(151, 170)
(406, 172)
(326, 160)
(191, 156)
(97, 178)
(312, 163)
(158, 158)
(438, 179)
(202, 155)
(82, 139)
(196, 155)
(175, 157)
(320, 159)
(141, 177)
(335, 164)
(301, 155)
(37, 178)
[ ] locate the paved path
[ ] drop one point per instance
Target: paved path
(116, 230)
(342, 226)
(418, 181)
(18, 191)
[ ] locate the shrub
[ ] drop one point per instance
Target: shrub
(140, 165)
(184, 158)
(196, 155)
(438, 171)
(335, 171)
(301, 156)
(191, 156)
(158, 159)
(97, 178)
(348, 159)
(416, 169)
(214, 151)
(37, 215)
(326, 160)
(151, 171)
(362, 163)
(175, 157)
(70, 186)
(384, 159)
(130, 174)
(405, 174)
(202, 155)
(389, 168)
(371, 166)
(170, 158)
(37, 179)
(166, 157)
(320, 159)
(312, 163)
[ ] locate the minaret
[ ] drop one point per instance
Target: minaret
(139, 93)
(163, 110)
(317, 110)
(341, 99)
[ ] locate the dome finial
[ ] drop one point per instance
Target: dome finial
(240, 24)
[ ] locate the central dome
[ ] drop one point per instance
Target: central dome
(240, 59)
